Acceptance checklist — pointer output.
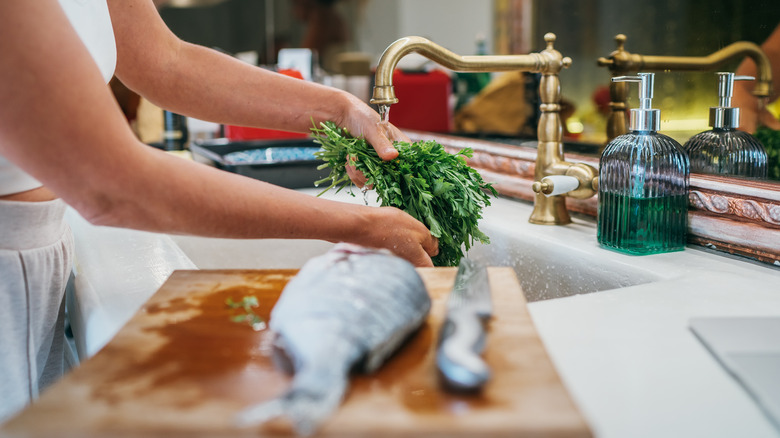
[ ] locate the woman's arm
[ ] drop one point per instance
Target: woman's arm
(59, 123)
(208, 85)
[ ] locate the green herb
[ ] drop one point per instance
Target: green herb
(247, 304)
(770, 138)
(435, 187)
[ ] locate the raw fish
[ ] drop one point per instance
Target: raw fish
(348, 309)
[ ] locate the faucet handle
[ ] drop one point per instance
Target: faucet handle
(620, 51)
(620, 41)
(549, 38)
(555, 185)
(579, 181)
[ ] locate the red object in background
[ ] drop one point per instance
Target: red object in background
(244, 133)
(423, 101)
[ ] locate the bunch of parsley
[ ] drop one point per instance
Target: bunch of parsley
(437, 188)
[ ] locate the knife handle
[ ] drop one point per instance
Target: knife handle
(458, 357)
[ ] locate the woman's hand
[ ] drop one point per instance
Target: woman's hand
(362, 121)
(357, 177)
(400, 233)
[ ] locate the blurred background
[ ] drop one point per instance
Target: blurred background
(256, 30)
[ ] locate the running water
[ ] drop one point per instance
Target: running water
(384, 114)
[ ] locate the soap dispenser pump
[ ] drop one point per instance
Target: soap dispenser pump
(725, 150)
(643, 184)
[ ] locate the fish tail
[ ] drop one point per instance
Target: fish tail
(307, 407)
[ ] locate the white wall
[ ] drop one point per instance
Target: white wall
(453, 24)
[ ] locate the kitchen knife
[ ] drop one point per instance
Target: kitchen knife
(462, 336)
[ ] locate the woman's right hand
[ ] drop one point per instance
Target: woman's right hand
(362, 121)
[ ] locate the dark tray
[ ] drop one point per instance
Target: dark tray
(285, 171)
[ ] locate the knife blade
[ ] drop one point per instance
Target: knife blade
(462, 336)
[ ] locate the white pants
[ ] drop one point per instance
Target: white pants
(36, 252)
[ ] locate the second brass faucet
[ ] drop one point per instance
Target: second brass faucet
(548, 210)
(622, 63)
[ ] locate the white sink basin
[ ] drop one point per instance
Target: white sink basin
(550, 261)
(550, 268)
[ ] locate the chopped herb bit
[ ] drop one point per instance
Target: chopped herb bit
(239, 318)
(435, 187)
(247, 304)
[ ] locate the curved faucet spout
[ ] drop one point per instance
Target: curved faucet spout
(549, 156)
(738, 50)
(384, 93)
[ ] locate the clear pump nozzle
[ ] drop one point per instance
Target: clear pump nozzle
(644, 118)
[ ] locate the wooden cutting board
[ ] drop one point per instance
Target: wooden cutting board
(182, 367)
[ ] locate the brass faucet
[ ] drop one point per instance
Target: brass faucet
(622, 63)
(549, 157)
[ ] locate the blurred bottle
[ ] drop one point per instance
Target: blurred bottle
(725, 150)
(175, 133)
(352, 74)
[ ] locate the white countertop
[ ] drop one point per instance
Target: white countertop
(626, 355)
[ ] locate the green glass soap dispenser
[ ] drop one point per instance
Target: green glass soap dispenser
(643, 184)
(725, 150)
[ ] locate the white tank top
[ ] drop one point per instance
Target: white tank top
(92, 22)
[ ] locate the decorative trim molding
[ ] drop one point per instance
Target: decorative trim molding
(722, 204)
(740, 218)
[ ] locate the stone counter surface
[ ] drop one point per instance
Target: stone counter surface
(625, 353)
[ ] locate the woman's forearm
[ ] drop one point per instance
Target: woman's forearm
(209, 85)
(60, 124)
(171, 195)
(252, 96)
